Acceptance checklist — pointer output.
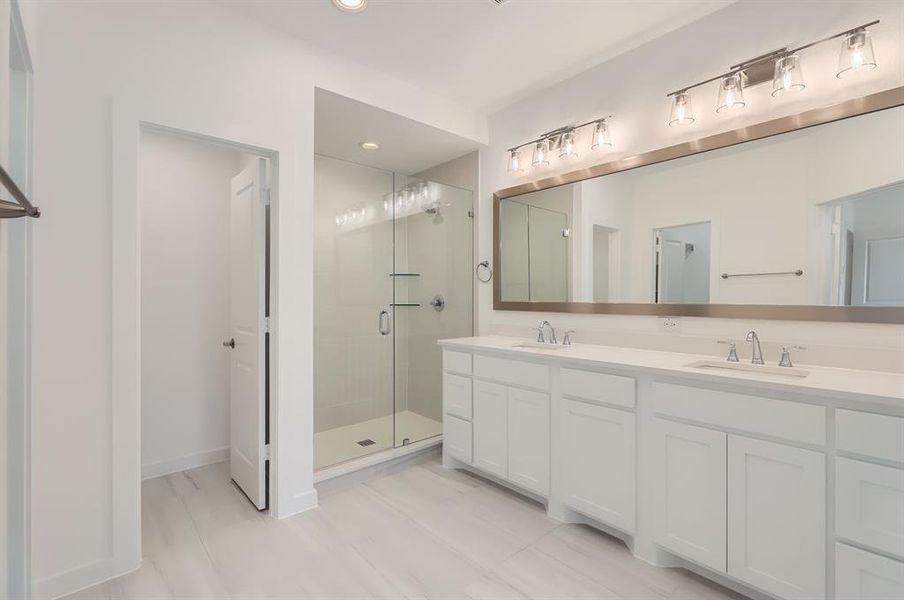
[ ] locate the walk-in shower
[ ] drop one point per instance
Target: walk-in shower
(392, 275)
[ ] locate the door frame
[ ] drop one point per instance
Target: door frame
(269, 310)
(291, 482)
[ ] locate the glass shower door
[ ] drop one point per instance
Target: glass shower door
(433, 297)
(353, 325)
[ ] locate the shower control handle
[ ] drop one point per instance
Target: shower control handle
(383, 322)
(230, 343)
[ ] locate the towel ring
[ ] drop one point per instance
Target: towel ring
(486, 265)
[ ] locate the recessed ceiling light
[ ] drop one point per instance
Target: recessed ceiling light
(352, 6)
(370, 145)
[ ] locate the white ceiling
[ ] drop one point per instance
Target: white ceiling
(406, 146)
(476, 52)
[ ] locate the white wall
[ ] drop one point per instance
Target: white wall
(632, 87)
(102, 67)
(184, 188)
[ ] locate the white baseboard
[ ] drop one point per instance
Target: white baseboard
(159, 469)
(299, 503)
(81, 578)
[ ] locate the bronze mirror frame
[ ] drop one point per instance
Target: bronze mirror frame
(887, 99)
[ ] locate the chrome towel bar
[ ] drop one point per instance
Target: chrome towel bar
(796, 273)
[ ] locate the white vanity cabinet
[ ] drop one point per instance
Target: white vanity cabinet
(861, 575)
(504, 424)
(511, 434)
(692, 487)
(597, 446)
(776, 517)
(491, 428)
(751, 508)
(777, 488)
(528, 440)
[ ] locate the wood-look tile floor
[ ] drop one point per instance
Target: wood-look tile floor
(416, 531)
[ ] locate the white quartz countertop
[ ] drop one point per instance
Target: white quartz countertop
(878, 386)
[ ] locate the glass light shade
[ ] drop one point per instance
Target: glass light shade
(541, 154)
(730, 93)
(856, 54)
(567, 147)
(682, 112)
(788, 76)
(514, 161)
(601, 137)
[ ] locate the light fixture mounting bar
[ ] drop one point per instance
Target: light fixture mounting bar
(555, 133)
(761, 62)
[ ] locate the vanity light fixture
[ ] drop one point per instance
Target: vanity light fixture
(788, 76)
(782, 67)
(566, 146)
(541, 154)
(351, 6)
(562, 140)
(682, 112)
(370, 146)
(514, 161)
(601, 138)
(856, 54)
(731, 94)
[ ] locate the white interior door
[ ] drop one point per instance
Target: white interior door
(671, 271)
(247, 367)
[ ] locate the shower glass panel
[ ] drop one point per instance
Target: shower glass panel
(433, 297)
(353, 371)
(392, 275)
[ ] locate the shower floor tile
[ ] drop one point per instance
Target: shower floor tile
(340, 444)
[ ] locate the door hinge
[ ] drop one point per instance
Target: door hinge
(471, 213)
(266, 324)
(265, 196)
(267, 454)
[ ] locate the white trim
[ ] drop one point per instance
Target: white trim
(299, 503)
(183, 463)
(80, 578)
(291, 299)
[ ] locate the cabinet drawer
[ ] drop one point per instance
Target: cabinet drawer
(457, 395)
(879, 436)
(457, 438)
(861, 575)
(457, 362)
(870, 505)
(515, 372)
(767, 416)
(601, 387)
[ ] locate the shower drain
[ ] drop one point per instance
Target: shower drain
(366, 443)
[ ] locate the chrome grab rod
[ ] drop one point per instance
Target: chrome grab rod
(11, 210)
(796, 273)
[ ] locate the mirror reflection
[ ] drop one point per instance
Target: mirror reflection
(814, 216)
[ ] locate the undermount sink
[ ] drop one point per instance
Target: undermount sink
(749, 368)
(539, 345)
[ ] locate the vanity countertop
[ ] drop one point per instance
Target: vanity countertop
(829, 382)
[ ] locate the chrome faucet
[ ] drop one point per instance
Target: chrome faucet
(552, 333)
(757, 357)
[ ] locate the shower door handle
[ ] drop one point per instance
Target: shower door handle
(384, 322)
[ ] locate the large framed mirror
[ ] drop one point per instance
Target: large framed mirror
(797, 218)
